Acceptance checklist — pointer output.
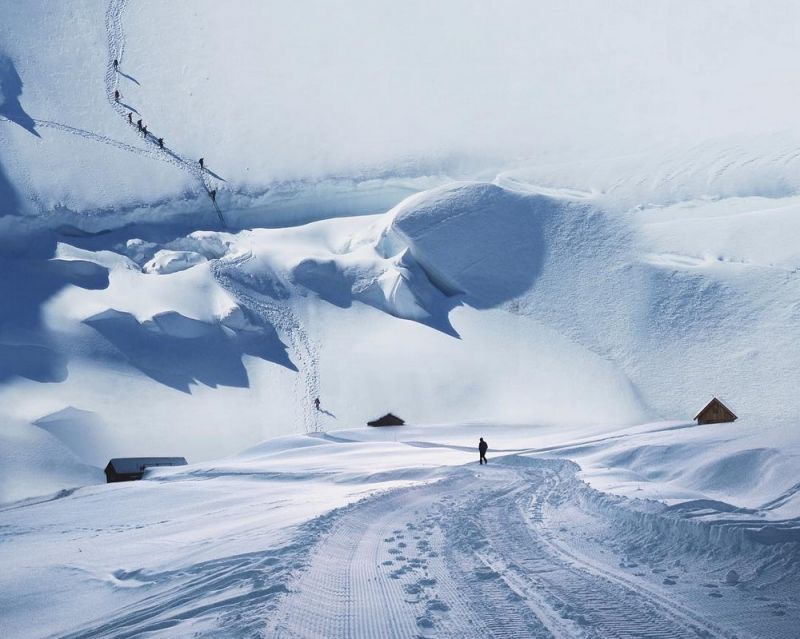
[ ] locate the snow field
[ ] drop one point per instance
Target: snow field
(406, 538)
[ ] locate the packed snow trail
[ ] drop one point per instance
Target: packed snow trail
(278, 315)
(116, 50)
(473, 556)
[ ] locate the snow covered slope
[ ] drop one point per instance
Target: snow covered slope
(555, 227)
(467, 302)
(398, 533)
(294, 125)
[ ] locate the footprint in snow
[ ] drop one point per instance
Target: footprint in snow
(425, 622)
(486, 574)
(437, 605)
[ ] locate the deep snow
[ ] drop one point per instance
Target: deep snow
(393, 532)
(430, 221)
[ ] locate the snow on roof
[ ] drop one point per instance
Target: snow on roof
(138, 464)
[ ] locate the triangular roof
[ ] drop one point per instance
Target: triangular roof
(712, 402)
(387, 420)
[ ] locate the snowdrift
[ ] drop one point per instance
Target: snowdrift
(469, 302)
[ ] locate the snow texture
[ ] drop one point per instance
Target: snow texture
(561, 228)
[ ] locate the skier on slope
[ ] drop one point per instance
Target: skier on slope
(482, 448)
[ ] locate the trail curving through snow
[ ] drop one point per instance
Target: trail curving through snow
(477, 554)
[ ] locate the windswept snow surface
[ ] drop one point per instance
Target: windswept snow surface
(567, 244)
(394, 532)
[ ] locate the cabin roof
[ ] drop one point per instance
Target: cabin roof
(128, 465)
(712, 401)
(389, 419)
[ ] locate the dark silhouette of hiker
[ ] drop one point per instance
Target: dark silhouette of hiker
(202, 163)
(139, 123)
(316, 403)
(116, 64)
(160, 143)
(213, 194)
(130, 117)
(144, 130)
(116, 95)
(482, 448)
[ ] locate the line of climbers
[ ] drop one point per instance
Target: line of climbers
(142, 128)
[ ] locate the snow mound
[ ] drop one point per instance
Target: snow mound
(477, 239)
(165, 262)
(33, 462)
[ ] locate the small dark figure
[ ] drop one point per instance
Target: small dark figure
(116, 64)
(144, 130)
(213, 194)
(130, 117)
(116, 96)
(139, 123)
(316, 403)
(160, 143)
(202, 163)
(482, 448)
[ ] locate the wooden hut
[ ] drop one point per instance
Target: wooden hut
(387, 420)
(715, 412)
(132, 468)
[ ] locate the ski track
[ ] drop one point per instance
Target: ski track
(288, 326)
(478, 552)
(475, 555)
(116, 48)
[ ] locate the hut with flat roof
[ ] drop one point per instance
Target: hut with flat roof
(132, 468)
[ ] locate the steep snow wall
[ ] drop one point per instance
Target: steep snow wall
(294, 126)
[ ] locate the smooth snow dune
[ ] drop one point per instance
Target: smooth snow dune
(34, 462)
(476, 239)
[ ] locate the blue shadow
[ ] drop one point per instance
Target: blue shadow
(11, 89)
(179, 351)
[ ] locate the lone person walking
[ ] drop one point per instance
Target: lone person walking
(482, 448)
(116, 64)
(116, 95)
(316, 403)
